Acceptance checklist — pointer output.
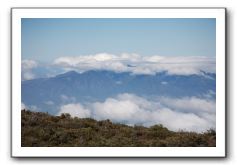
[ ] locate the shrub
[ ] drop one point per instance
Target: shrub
(42, 129)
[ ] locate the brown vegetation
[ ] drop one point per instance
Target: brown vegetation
(43, 130)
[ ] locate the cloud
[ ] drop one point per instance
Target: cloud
(28, 64)
(190, 104)
(34, 108)
(210, 94)
(190, 114)
(118, 110)
(67, 99)
(137, 64)
(28, 75)
(196, 112)
(75, 110)
(164, 83)
(26, 69)
(49, 102)
(23, 106)
(31, 69)
(134, 63)
(31, 107)
(176, 120)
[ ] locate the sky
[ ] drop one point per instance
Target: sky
(46, 39)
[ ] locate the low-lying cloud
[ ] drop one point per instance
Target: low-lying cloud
(189, 114)
(137, 64)
(76, 110)
(133, 63)
(31, 69)
(26, 69)
(23, 106)
(31, 107)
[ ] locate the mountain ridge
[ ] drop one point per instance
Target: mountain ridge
(101, 84)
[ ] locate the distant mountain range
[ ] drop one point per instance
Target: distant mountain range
(49, 93)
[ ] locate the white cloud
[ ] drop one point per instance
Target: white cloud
(164, 83)
(31, 107)
(118, 82)
(175, 120)
(76, 110)
(26, 69)
(34, 108)
(28, 64)
(66, 99)
(137, 64)
(210, 94)
(28, 75)
(116, 110)
(190, 104)
(23, 106)
(49, 102)
(203, 108)
(190, 114)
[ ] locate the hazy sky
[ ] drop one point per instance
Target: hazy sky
(47, 39)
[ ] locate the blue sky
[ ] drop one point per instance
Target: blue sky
(47, 39)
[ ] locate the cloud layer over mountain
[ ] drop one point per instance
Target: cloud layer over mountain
(137, 64)
(26, 68)
(190, 114)
(134, 63)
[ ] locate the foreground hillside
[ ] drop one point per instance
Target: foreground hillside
(42, 130)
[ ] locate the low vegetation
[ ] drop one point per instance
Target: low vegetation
(43, 130)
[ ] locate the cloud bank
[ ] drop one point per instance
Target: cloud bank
(137, 64)
(23, 106)
(189, 114)
(26, 69)
(76, 110)
(31, 107)
(133, 63)
(31, 69)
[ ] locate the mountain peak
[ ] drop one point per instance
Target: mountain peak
(69, 73)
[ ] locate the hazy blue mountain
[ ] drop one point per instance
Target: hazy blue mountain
(48, 93)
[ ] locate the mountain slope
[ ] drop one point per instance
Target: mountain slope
(48, 93)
